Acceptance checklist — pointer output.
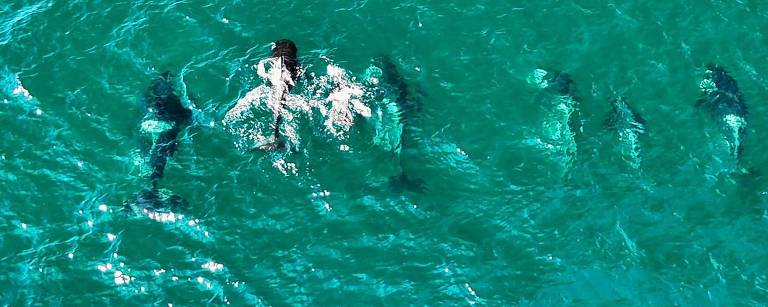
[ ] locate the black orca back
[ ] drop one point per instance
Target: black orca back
(162, 100)
(561, 83)
(287, 52)
(723, 99)
(164, 105)
(726, 96)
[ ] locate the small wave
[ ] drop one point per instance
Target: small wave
(20, 17)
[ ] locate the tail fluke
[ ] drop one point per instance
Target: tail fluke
(157, 200)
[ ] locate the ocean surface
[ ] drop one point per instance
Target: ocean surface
(516, 195)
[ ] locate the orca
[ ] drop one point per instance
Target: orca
(559, 101)
(164, 118)
(407, 106)
(629, 125)
(722, 99)
(284, 73)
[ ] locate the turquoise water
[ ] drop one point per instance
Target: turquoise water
(523, 203)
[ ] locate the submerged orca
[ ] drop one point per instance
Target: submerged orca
(408, 109)
(284, 60)
(723, 100)
(629, 125)
(165, 117)
(559, 101)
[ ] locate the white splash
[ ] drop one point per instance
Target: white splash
(734, 124)
(707, 85)
(19, 90)
(244, 120)
(163, 217)
(104, 267)
(121, 278)
(345, 101)
(537, 78)
(630, 149)
(287, 168)
(336, 96)
(278, 75)
(212, 266)
(155, 127)
(249, 121)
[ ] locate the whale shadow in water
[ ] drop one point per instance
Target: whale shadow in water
(409, 109)
(164, 118)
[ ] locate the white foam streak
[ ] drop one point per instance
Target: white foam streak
(338, 98)
(345, 102)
